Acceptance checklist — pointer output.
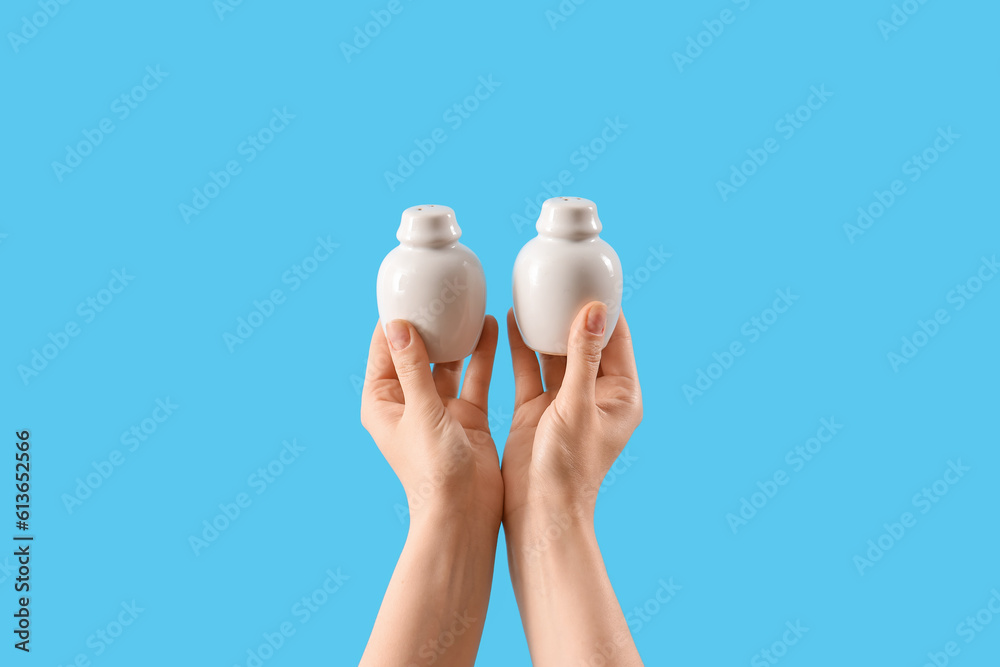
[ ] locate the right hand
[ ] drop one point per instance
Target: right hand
(564, 438)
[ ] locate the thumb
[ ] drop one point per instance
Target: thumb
(586, 340)
(409, 356)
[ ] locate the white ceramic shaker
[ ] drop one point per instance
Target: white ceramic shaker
(561, 270)
(434, 282)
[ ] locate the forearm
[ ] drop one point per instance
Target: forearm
(568, 606)
(435, 606)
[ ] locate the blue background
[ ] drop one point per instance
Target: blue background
(297, 376)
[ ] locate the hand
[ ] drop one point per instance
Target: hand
(438, 443)
(439, 446)
(564, 437)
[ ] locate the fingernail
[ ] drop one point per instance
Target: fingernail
(596, 319)
(398, 334)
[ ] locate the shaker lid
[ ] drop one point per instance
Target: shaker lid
(568, 218)
(428, 225)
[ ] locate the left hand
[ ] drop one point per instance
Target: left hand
(437, 441)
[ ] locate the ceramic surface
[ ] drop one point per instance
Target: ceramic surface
(562, 269)
(434, 282)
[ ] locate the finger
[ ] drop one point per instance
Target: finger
(447, 378)
(409, 357)
(378, 372)
(476, 389)
(527, 378)
(586, 337)
(379, 359)
(553, 370)
(618, 358)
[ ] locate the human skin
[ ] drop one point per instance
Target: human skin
(564, 437)
(439, 445)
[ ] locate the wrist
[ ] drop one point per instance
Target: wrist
(450, 517)
(541, 512)
(537, 532)
(551, 553)
(468, 501)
